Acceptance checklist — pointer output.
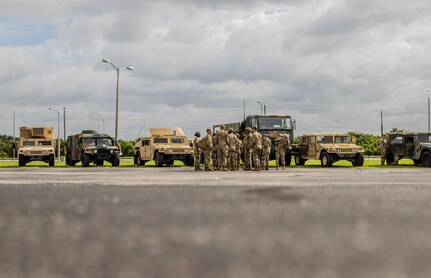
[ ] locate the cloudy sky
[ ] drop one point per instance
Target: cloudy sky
(333, 65)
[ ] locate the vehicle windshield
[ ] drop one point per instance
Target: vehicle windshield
(424, 138)
(342, 139)
(177, 140)
(325, 139)
(160, 140)
(45, 143)
(29, 143)
(271, 123)
(97, 141)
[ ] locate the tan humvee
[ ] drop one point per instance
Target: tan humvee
(164, 147)
(328, 148)
(36, 144)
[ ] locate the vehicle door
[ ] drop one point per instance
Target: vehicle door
(145, 148)
(398, 145)
(303, 149)
(410, 146)
(312, 146)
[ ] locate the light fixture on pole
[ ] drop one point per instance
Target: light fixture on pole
(103, 122)
(261, 107)
(105, 60)
(64, 128)
(58, 132)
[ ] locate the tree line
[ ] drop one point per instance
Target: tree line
(368, 141)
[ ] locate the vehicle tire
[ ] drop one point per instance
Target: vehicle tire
(99, 162)
(68, 160)
(299, 160)
(85, 160)
(390, 159)
(135, 159)
(326, 160)
(416, 162)
(359, 160)
(51, 160)
(139, 161)
(159, 159)
(426, 159)
(21, 160)
(288, 159)
(189, 161)
(116, 161)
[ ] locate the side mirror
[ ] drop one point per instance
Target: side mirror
(354, 140)
(294, 124)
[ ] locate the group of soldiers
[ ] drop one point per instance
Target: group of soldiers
(383, 146)
(225, 148)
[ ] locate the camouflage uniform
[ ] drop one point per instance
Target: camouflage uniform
(266, 150)
(246, 144)
(215, 151)
(238, 145)
(383, 145)
(208, 145)
(232, 150)
(223, 149)
(256, 143)
(197, 151)
(280, 151)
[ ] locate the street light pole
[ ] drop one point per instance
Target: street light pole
(105, 60)
(428, 110)
(64, 128)
(13, 133)
(103, 121)
(58, 132)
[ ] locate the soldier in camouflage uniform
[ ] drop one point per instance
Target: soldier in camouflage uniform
(246, 144)
(383, 145)
(256, 143)
(266, 150)
(207, 149)
(280, 151)
(215, 151)
(223, 149)
(238, 145)
(197, 151)
(232, 149)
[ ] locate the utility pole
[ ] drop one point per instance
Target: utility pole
(381, 122)
(64, 129)
(428, 110)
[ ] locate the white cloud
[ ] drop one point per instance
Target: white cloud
(332, 64)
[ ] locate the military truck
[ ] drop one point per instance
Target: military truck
(89, 146)
(164, 147)
(35, 144)
(413, 145)
(272, 125)
(328, 148)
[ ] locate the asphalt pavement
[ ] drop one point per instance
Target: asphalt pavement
(174, 222)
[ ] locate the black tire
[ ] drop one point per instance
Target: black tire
(21, 160)
(99, 162)
(416, 162)
(299, 160)
(288, 159)
(390, 159)
(85, 160)
(189, 161)
(159, 158)
(115, 161)
(359, 160)
(135, 159)
(426, 159)
(51, 160)
(138, 159)
(326, 160)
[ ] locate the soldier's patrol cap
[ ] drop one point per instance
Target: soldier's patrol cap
(197, 133)
(230, 130)
(264, 135)
(247, 129)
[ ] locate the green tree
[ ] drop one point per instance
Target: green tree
(368, 141)
(127, 147)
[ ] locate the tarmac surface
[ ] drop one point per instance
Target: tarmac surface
(174, 222)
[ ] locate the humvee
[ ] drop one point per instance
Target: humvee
(91, 147)
(415, 146)
(36, 144)
(328, 148)
(164, 147)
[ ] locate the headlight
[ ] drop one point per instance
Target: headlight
(338, 150)
(95, 151)
(111, 151)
